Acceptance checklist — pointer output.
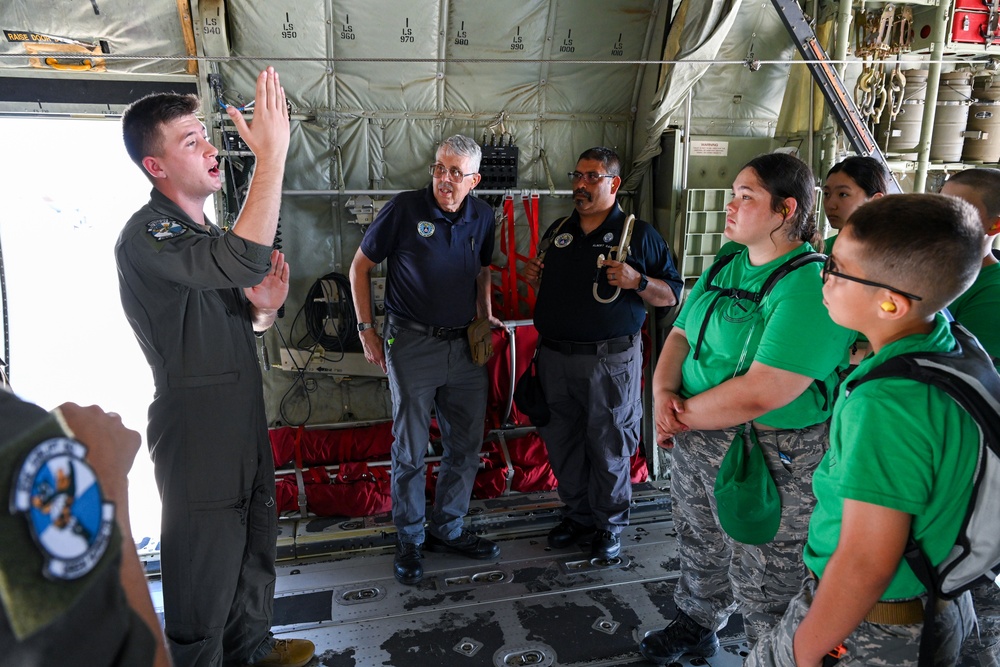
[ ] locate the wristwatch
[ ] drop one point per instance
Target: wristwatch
(363, 326)
(643, 283)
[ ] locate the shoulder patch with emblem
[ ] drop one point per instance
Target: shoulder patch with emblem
(425, 229)
(563, 240)
(60, 497)
(161, 230)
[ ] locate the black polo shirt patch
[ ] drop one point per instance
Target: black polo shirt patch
(164, 229)
(563, 240)
(59, 495)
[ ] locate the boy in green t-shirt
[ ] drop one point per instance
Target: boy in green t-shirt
(902, 453)
(978, 309)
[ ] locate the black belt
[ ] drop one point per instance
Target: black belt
(444, 333)
(612, 346)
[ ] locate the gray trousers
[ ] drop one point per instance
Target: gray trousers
(982, 648)
(427, 373)
(870, 643)
(596, 408)
(719, 575)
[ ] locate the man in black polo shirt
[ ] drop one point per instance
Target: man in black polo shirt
(590, 362)
(438, 244)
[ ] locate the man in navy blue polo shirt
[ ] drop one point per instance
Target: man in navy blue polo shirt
(588, 314)
(438, 244)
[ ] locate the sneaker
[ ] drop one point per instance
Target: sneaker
(288, 653)
(568, 533)
(465, 544)
(605, 544)
(682, 637)
(406, 565)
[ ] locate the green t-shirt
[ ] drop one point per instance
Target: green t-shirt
(978, 310)
(828, 243)
(790, 329)
(900, 444)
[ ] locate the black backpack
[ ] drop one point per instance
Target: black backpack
(967, 375)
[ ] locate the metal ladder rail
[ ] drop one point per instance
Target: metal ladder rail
(839, 100)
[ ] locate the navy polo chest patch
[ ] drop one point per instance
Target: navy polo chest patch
(563, 240)
(425, 229)
(58, 493)
(608, 237)
(161, 230)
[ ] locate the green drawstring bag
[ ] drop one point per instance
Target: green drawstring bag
(748, 502)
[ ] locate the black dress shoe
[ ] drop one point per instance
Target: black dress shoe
(465, 544)
(682, 637)
(568, 533)
(605, 544)
(406, 566)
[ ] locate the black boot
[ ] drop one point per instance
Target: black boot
(406, 566)
(682, 637)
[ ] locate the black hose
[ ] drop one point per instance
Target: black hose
(329, 302)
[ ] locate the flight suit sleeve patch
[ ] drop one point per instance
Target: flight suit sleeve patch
(59, 495)
(161, 230)
(60, 530)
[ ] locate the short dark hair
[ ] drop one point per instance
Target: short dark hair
(986, 182)
(784, 176)
(867, 172)
(142, 119)
(927, 244)
(606, 156)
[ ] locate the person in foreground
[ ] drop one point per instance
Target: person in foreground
(862, 597)
(72, 589)
(195, 297)
(438, 244)
(590, 360)
(978, 310)
(740, 366)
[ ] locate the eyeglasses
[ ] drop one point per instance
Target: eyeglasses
(454, 174)
(590, 176)
(829, 270)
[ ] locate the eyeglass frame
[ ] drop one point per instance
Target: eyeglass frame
(451, 172)
(591, 177)
(827, 271)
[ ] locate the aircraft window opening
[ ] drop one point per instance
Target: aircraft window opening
(75, 188)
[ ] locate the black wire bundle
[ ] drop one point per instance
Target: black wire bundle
(322, 307)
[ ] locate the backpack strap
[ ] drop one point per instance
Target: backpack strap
(740, 294)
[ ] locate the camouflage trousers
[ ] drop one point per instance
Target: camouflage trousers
(720, 576)
(870, 643)
(982, 647)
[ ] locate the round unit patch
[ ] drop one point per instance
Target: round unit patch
(58, 493)
(608, 237)
(425, 229)
(162, 230)
(563, 240)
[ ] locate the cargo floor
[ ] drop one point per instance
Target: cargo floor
(533, 606)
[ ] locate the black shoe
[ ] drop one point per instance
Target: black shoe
(465, 544)
(682, 637)
(406, 566)
(605, 544)
(568, 533)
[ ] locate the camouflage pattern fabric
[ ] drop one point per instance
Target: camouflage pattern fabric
(719, 575)
(982, 647)
(870, 643)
